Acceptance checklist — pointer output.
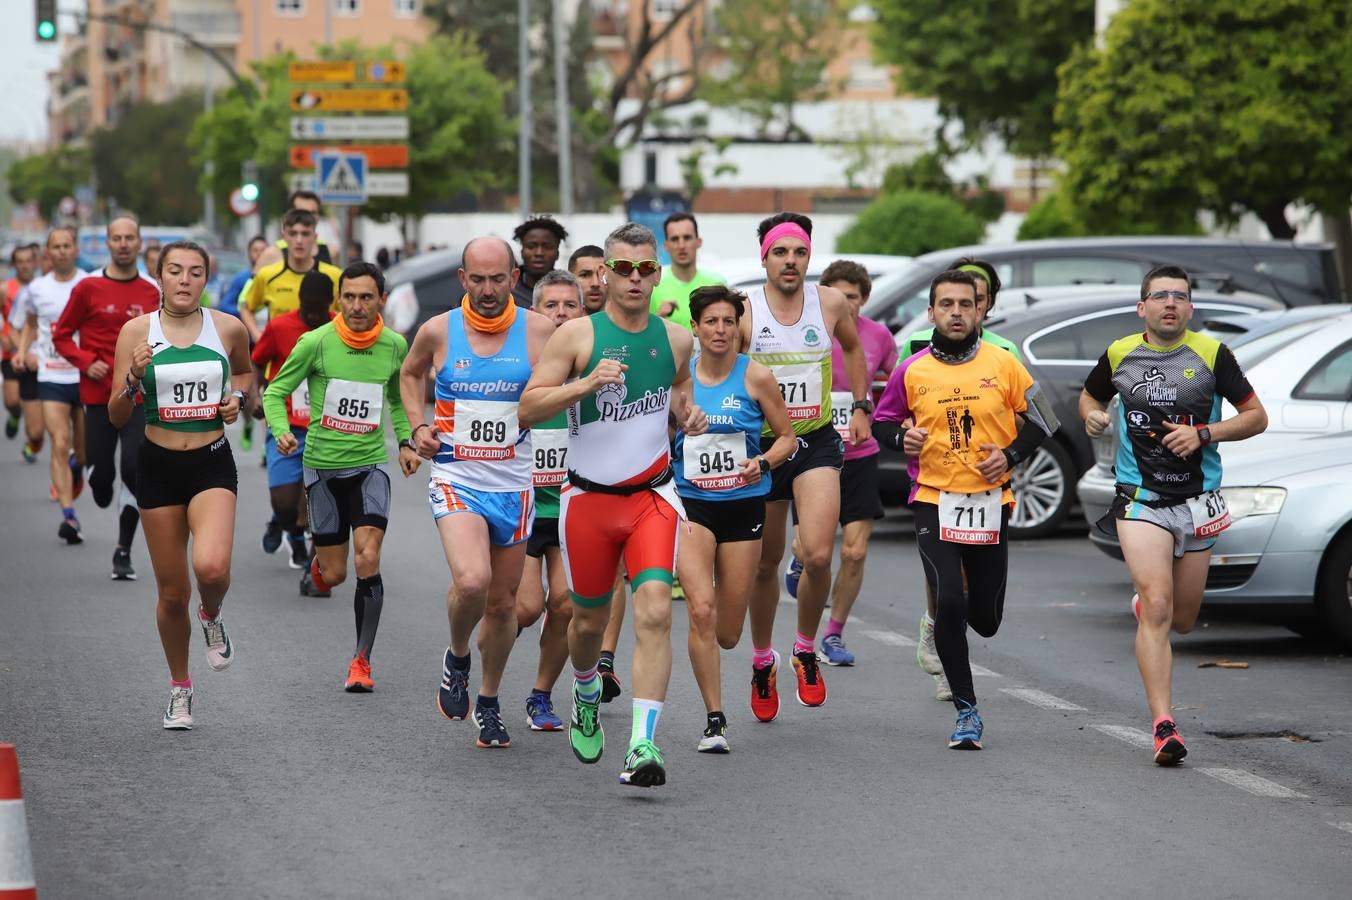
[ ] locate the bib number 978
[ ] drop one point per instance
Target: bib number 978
(190, 392)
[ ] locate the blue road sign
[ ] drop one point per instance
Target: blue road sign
(341, 178)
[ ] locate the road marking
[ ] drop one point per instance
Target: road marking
(983, 672)
(1134, 736)
(1342, 826)
(891, 638)
(1041, 698)
(1254, 784)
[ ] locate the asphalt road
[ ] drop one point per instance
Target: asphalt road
(289, 787)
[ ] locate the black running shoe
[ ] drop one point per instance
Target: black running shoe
(122, 570)
(272, 536)
(300, 554)
(12, 426)
(610, 683)
(70, 531)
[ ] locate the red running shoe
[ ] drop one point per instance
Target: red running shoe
(764, 693)
(811, 688)
(1169, 749)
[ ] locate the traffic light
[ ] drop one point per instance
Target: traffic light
(248, 189)
(45, 20)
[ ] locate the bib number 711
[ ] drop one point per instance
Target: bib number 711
(970, 518)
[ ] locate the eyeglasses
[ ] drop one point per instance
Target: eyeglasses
(625, 267)
(1166, 296)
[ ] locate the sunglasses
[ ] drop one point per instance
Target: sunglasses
(625, 267)
(1165, 296)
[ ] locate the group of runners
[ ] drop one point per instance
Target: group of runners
(596, 435)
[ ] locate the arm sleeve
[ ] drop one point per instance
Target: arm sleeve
(1230, 381)
(398, 418)
(295, 370)
(1099, 383)
(892, 409)
(63, 331)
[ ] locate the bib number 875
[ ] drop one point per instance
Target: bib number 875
(357, 409)
(190, 392)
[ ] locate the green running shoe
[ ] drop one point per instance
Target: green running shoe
(643, 767)
(585, 734)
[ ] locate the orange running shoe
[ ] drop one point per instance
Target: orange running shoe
(1169, 749)
(811, 688)
(764, 693)
(359, 676)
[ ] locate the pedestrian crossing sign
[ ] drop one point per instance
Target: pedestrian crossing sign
(341, 178)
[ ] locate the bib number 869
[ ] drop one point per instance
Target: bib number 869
(358, 409)
(190, 392)
(488, 431)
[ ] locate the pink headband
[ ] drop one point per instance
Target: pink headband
(784, 229)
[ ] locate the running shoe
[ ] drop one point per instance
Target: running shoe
(585, 734)
(77, 478)
(764, 692)
(811, 687)
(1169, 749)
(122, 570)
(833, 651)
(610, 682)
(677, 592)
(453, 695)
(941, 689)
(220, 652)
(967, 736)
(307, 586)
(926, 654)
(70, 531)
(1136, 606)
(272, 536)
(715, 739)
(11, 426)
(792, 575)
(30, 455)
(300, 554)
(644, 766)
(492, 733)
(246, 439)
(540, 713)
(359, 679)
(178, 714)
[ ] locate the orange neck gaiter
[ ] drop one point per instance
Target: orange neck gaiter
(484, 324)
(359, 340)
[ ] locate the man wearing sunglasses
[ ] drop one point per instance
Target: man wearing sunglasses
(1169, 509)
(790, 328)
(627, 377)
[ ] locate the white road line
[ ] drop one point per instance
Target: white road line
(983, 672)
(1134, 736)
(1041, 698)
(891, 638)
(1254, 784)
(1342, 826)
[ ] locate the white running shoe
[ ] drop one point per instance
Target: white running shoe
(220, 652)
(178, 714)
(926, 654)
(941, 689)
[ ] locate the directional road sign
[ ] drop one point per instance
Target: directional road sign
(345, 72)
(349, 100)
(378, 184)
(378, 156)
(341, 178)
(349, 128)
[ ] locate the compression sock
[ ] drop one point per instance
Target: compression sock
(68, 512)
(587, 684)
(185, 683)
(127, 520)
(762, 656)
(368, 603)
(646, 714)
(803, 643)
(834, 628)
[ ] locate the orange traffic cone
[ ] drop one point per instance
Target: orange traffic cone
(16, 860)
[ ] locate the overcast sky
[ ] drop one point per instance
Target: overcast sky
(24, 64)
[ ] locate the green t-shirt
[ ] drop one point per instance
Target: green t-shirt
(353, 393)
(920, 340)
(673, 290)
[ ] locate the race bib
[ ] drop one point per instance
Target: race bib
(551, 455)
(841, 401)
(801, 386)
(51, 361)
(300, 402)
(352, 407)
(713, 462)
(1210, 514)
(485, 429)
(188, 391)
(970, 518)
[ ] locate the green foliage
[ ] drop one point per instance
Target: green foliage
(45, 178)
(926, 173)
(143, 162)
(909, 223)
(1219, 105)
(993, 68)
(1051, 217)
(1055, 216)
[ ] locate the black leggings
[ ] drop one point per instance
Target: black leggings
(982, 605)
(101, 441)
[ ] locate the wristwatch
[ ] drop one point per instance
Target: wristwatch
(764, 465)
(1012, 457)
(406, 443)
(866, 405)
(239, 395)
(1204, 435)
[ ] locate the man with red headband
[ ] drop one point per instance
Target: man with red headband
(790, 329)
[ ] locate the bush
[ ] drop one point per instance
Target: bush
(909, 223)
(1050, 217)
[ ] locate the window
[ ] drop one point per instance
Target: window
(1331, 379)
(1085, 270)
(406, 8)
(289, 7)
(1084, 339)
(347, 7)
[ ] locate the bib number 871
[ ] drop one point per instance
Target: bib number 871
(793, 391)
(357, 409)
(190, 392)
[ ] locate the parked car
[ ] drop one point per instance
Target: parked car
(1301, 368)
(1295, 274)
(421, 287)
(1061, 340)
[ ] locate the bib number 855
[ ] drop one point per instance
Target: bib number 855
(190, 392)
(357, 409)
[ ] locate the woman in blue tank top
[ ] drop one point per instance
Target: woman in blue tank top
(723, 478)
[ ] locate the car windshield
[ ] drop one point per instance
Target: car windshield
(1249, 353)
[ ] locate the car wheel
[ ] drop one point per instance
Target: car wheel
(1334, 598)
(1042, 492)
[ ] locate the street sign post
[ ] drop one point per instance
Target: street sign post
(341, 178)
(323, 100)
(240, 205)
(346, 72)
(378, 156)
(378, 184)
(349, 128)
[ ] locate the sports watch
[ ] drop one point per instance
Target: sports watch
(1204, 435)
(866, 405)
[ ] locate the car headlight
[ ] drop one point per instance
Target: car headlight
(1253, 501)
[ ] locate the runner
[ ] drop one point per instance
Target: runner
(587, 265)
(558, 297)
(152, 258)
(959, 482)
(723, 478)
(790, 329)
(98, 309)
(235, 288)
(671, 297)
(192, 367)
(1169, 507)
(286, 472)
(481, 485)
(278, 252)
(58, 380)
(21, 379)
(351, 366)
(276, 286)
(860, 503)
(540, 238)
(632, 373)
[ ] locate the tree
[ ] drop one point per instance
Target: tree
(1220, 105)
(926, 173)
(45, 178)
(909, 223)
(143, 162)
(994, 71)
(1055, 216)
